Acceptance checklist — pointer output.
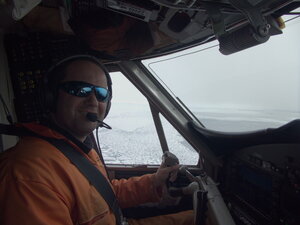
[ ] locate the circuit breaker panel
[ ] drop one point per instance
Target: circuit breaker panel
(29, 57)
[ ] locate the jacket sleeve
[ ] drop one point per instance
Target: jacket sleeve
(28, 202)
(136, 190)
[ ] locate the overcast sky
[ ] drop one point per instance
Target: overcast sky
(265, 77)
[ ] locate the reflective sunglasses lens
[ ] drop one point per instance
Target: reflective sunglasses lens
(76, 89)
(102, 94)
(84, 91)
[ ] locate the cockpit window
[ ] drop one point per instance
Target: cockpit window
(133, 138)
(249, 90)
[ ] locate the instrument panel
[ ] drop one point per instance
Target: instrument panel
(261, 185)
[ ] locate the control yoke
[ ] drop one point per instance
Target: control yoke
(206, 197)
(207, 200)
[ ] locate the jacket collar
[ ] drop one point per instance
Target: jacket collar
(51, 130)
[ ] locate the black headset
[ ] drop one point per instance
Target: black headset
(52, 78)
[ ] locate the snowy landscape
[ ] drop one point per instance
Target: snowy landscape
(133, 139)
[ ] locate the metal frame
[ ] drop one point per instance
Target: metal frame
(159, 128)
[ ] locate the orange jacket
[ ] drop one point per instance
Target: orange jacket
(39, 185)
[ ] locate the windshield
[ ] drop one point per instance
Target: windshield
(253, 89)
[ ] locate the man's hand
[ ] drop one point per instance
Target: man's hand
(165, 173)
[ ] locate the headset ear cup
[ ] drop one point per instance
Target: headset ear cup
(109, 84)
(107, 108)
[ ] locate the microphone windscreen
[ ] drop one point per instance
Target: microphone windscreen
(92, 117)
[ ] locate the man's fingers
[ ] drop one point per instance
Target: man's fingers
(172, 172)
(166, 173)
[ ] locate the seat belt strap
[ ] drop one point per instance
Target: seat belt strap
(94, 176)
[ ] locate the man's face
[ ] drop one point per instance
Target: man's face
(71, 110)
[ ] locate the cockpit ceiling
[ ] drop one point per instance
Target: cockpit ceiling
(129, 29)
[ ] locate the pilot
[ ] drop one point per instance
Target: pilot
(40, 185)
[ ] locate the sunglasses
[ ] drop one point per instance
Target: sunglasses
(82, 89)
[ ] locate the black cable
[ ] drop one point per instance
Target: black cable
(6, 110)
(100, 152)
(292, 13)
(98, 143)
(174, 57)
(292, 19)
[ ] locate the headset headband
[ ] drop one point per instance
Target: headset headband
(81, 57)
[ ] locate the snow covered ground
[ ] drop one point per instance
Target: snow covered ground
(133, 139)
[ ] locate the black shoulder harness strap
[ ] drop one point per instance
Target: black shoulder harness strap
(93, 175)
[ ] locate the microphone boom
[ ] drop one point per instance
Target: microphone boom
(93, 118)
